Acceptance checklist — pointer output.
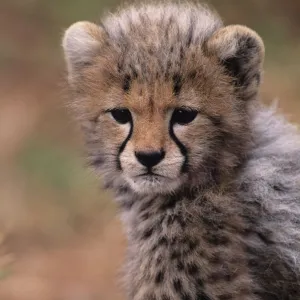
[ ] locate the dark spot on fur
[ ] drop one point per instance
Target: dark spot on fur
(147, 204)
(190, 33)
(147, 233)
(173, 241)
(248, 96)
(265, 237)
(151, 51)
(163, 241)
(216, 120)
(134, 74)
(199, 282)
(180, 265)
(144, 216)
(84, 64)
(154, 247)
(191, 194)
(122, 190)
(158, 260)
(165, 297)
(108, 185)
(169, 65)
(253, 263)
(180, 221)
(182, 53)
(222, 275)
(151, 104)
(215, 224)
(192, 244)
(215, 259)
(192, 75)
(93, 120)
(97, 162)
(119, 67)
(126, 83)
(177, 284)
(159, 278)
(279, 187)
(245, 186)
(202, 296)
(225, 297)
(170, 220)
(127, 205)
(192, 269)
(177, 84)
(175, 254)
(169, 203)
(258, 78)
(186, 296)
(216, 239)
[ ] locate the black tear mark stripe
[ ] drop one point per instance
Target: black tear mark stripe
(215, 120)
(182, 148)
(122, 147)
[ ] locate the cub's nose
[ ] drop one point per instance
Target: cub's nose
(150, 159)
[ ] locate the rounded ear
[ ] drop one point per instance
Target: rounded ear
(241, 51)
(81, 42)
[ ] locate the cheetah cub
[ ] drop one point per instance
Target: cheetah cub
(206, 178)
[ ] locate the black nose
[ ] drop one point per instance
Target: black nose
(150, 159)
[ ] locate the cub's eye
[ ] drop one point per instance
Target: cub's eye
(183, 116)
(121, 115)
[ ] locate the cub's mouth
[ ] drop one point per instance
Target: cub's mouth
(151, 174)
(152, 183)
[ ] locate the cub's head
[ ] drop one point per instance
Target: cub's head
(163, 95)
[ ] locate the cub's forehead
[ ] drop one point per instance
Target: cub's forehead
(159, 52)
(154, 41)
(192, 22)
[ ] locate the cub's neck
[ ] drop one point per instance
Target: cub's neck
(185, 246)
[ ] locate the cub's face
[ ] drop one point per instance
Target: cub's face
(156, 124)
(156, 135)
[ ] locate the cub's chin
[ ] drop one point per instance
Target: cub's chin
(154, 184)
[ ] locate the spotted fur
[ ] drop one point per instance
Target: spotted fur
(206, 178)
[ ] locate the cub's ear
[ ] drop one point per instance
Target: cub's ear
(81, 42)
(241, 51)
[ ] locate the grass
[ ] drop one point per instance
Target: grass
(61, 195)
(64, 171)
(4, 273)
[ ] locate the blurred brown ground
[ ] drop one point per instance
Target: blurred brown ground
(59, 237)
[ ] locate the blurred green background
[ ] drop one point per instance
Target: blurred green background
(59, 237)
